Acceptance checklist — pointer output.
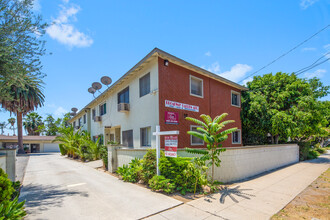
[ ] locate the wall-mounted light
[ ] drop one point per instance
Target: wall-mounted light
(166, 62)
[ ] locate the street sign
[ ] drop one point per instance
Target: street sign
(171, 146)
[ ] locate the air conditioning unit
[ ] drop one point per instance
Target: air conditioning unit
(97, 118)
(123, 107)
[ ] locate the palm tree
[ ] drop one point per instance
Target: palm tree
(24, 95)
(31, 123)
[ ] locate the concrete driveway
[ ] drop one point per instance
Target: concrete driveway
(59, 188)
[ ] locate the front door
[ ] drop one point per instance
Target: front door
(35, 148)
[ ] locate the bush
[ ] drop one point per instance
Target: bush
(132, 172)
(149, 164)
(62, 149)
(160, 183)
(13, 210)
(182, 172)
(104, 156)
(6, 188)
(304, 148)
(321, 150)
(312, 154)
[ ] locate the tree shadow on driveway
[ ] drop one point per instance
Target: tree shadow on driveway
(43, 197)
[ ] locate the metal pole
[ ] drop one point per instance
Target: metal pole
(157, 148)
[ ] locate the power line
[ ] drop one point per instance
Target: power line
(298, 72)
(285, 53)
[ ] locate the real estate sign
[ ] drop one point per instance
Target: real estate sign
(171, 146)
(171, 118)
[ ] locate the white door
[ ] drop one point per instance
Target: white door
(51, 148)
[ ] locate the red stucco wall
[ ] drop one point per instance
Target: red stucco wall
(174, 85)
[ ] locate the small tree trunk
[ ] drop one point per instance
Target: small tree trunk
(20, 133)
(276, 139)
(272, 137)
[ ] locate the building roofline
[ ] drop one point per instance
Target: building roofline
(162, 54)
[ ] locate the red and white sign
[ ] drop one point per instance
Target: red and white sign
(171, 146)
(182, 106)
(171, 118)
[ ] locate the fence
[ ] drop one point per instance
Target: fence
(237, 162)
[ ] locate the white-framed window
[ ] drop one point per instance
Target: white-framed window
(145, 136)
(85, 119)
(196, 86)
(236, 137)
(195, 141)
(235, 98)
(79, 122)
(93, 113)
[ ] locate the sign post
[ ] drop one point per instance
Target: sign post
(158, 133)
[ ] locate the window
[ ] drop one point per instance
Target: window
(79, 122)
(103, 109)
(145, 137)
(84, 118)
(74, 124)
(127, 138)
(145, 85)
(93, 113)
(235, 99)
(236, 137)
(196, 86)
(194, 140)
(123, 96)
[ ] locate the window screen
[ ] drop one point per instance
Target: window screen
(145, 137)
(196, 86)
(123, 96)
(195, 140)
(145, 85)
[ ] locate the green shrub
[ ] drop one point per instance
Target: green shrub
(6, 188)
(183, 173)
(160, 183)
(132, 172)
(62, 149)
(312, 154)
(304, 148)
(104, 156)
(13, 210)
(321, 150)
(149, 164)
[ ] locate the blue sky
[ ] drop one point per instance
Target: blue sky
(90, 39)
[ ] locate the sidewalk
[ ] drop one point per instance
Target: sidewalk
(258, 198)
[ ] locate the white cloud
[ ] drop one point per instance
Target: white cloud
(60, 111)
(309, 49)
(317, 73)
(304, 4)
(208, 54)
(246, 81)
(214, 68)
(36, 6)
(65, 32)
(236, 72)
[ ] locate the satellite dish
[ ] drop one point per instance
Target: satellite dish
(91, 90)
(74, 110)
(106, 80)
(96, 85)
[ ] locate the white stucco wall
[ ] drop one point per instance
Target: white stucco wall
(143, 110)
(237, 163)
(3, 162)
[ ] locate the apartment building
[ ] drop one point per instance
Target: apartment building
(160, 90)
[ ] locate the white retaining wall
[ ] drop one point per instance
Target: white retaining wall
(3, 162)
(237, 162)
(10, 162)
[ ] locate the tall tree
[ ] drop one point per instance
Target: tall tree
(21, 47)
(31, 123)
(282, 106)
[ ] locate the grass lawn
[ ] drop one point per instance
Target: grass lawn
(313, 202)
